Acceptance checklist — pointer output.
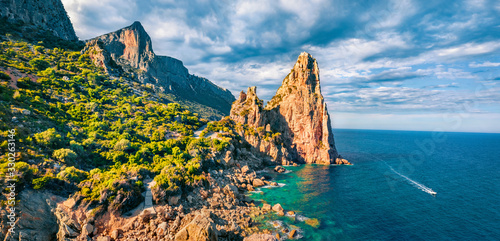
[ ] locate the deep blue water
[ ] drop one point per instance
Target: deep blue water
(369, 201)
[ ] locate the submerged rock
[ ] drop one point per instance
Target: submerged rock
(279, 169)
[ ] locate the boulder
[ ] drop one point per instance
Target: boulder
(115, 234)
(231, 190)
(87, 229)
(266, 207)
(258, 183)
(174, 200)
(342, 161)
(245, 169)
(260, 237)
(279, 169)
(103, 238)
(202, 228)
(162, 229)
(277, 208)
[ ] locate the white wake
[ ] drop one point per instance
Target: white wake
(414, 183)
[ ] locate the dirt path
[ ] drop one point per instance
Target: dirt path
(197, 133)
(148, 201)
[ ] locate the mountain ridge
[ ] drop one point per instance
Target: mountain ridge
(131, 49)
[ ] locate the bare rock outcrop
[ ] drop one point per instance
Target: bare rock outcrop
(37, 217)
(298, 112)
(131, 49)
(47, 14)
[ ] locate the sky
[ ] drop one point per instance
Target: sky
(391, 65)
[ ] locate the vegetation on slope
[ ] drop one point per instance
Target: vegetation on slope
(80, 131)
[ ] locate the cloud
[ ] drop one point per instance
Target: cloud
(485, 64)
(374, 56)
(443, 86)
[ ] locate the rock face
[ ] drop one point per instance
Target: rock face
(298, 112)
(130, 48)
(38, 217)
(47, 14)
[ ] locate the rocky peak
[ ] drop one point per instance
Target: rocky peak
(47, 14)
(298, 112)
(302, 80)
(130, 46)
(131, 49)
(248, 108)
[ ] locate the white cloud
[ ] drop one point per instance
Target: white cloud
(442, 72)
(90, 17)
(467, 49)
(485, 64)
(391, 15)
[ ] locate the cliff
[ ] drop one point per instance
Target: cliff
(47, 14)
(130, 49)
(298, 112)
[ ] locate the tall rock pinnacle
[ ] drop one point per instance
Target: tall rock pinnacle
(297, 111)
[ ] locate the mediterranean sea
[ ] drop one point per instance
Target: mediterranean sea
(404, 185)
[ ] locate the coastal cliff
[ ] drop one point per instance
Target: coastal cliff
(298, 112)
(48, 14)
(130, 50)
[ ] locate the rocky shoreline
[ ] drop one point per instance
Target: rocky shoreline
(221, 212)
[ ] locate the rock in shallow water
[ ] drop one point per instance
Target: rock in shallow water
(278, 208)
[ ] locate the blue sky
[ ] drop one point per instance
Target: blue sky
(401, 65)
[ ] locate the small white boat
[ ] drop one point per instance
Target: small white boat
(433, 193)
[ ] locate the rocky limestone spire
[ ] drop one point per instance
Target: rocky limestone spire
(297, 111)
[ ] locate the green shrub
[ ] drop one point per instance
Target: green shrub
(40, 183)
(48, 138)
(65, 155)
(39, 64)
(122, 145)
(39, 49)
(4, 76)
(71, 174)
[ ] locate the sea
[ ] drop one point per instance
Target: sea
(403, 185)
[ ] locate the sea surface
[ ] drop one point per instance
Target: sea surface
(387, 193)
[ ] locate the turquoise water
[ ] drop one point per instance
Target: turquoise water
(371, 201)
